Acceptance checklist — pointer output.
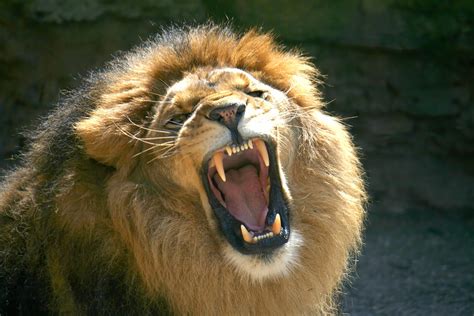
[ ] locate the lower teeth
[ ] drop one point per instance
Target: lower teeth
(275, 231)
(267, 235)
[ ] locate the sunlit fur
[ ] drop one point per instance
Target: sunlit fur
(107, 212)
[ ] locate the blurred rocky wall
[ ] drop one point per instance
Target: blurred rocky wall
(400, 73)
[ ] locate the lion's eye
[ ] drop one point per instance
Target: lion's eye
(177, 121)
(258, 94)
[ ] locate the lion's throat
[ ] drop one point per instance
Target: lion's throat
(244, 196)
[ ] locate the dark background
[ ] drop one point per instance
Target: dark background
(401, 73)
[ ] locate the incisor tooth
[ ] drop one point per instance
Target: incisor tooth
(262, 149)
(250, 144)
(234, 150)
(246, 146)
(245, 234)
(276, 227)
(242, 147)
(218, 156)
(228, 150)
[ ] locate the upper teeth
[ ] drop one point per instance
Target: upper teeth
(262, 149)
(217, 159)
(236, 148)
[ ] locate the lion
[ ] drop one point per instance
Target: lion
(195, 175)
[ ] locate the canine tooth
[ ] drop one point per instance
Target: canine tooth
(218, 156)
(276, 227)
(246, 235)
(262, 149)
(250, 144)
(267, 189)
(228, 150)
(212, 163)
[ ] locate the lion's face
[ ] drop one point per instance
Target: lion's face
(220, 132)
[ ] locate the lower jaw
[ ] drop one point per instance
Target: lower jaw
(267, 266)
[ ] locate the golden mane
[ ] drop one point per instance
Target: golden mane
(96, 228)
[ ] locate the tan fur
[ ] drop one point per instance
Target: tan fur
(148, 216)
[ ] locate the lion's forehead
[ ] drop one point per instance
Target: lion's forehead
(230, 75)
(208, 83)
(212, 81)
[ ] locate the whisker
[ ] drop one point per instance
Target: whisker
(144, 151)
(159, 137)
(163, 82)
(166, 154)
(150, 129)
(289, 89)
(130, 135)
(160, 146)
(147, 100)
(157, 94)
(329, 102)
(348, 118)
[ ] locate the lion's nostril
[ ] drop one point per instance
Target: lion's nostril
(241, 109)
(228, 115)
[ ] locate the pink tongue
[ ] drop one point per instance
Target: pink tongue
(244, 197)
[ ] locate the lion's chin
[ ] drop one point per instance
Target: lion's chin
(248, 198)
(258, 268)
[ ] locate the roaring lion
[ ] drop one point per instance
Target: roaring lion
(196, 175)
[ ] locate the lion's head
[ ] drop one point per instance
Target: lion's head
(228, 175)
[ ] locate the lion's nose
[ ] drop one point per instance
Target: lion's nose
(228, 115)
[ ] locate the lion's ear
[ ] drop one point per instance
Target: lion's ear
(108, 133)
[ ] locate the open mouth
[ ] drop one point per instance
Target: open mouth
(244, 189)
